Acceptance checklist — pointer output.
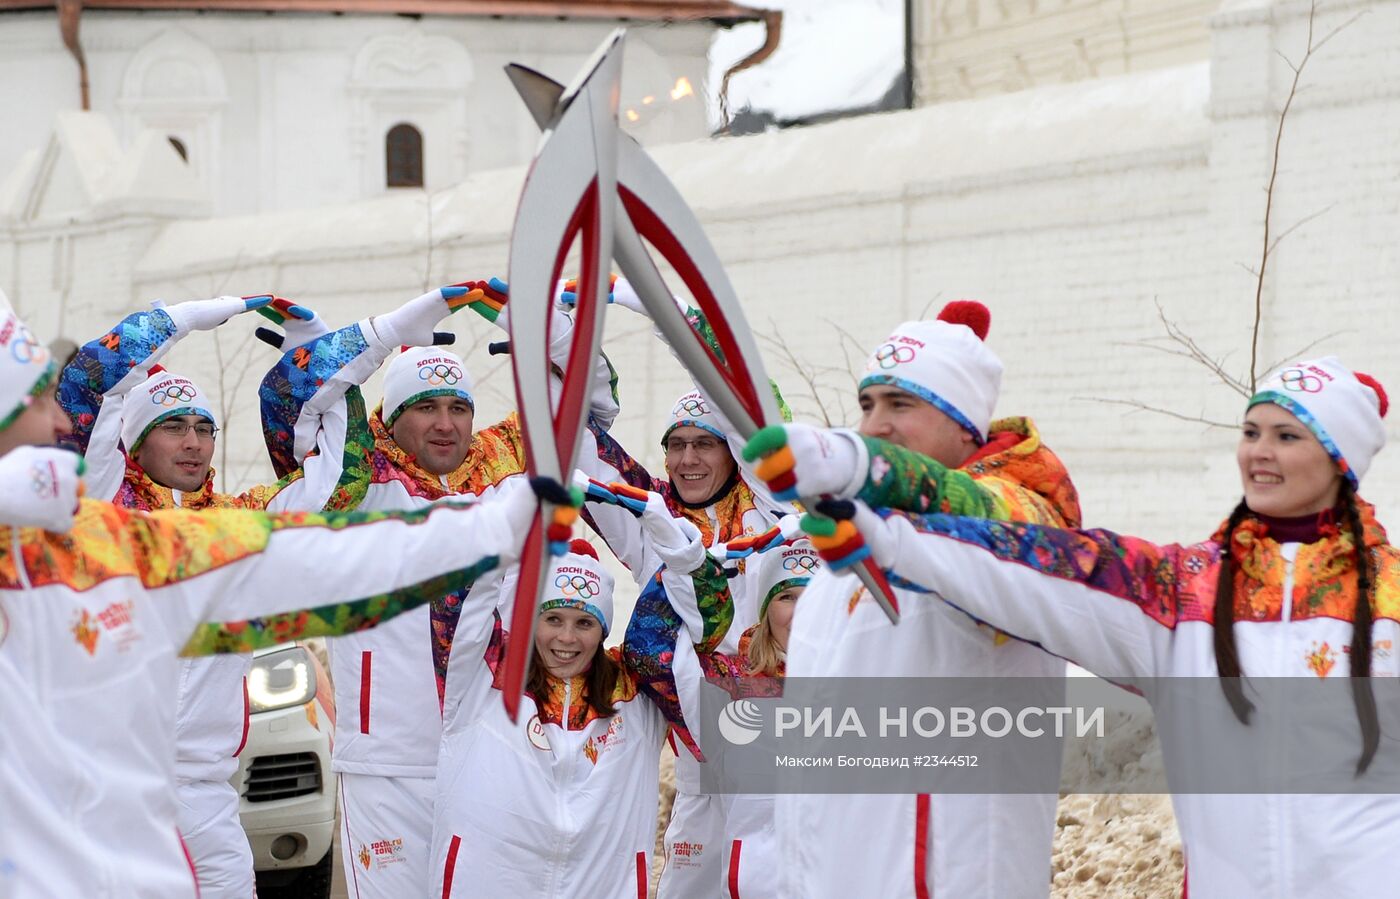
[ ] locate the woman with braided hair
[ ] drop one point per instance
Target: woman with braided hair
(1299, 582)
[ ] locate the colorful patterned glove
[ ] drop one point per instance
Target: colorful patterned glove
(412, 323)
(798, 459)
(206, 315)
(620, 291)
(567, 501)
(40, 487)
(845, 532)
(299, 324)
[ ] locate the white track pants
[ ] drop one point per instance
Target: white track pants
(386, 834)
(694, 855)
(214, 838)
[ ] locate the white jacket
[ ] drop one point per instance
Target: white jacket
(304, 399)
(1123, 607)
(990, 846)
(44, 787)
(95, 619)
(560, 803)
(389, 715)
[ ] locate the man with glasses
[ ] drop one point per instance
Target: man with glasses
(705, 485)
(149, 443)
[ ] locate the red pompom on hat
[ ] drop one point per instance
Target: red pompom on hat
(1376, 386)
(581, 547)
(970, 313)
(155, 369)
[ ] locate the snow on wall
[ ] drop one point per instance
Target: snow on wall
(1071, 210)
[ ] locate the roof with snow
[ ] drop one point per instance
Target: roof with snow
(649, 10)
(83, 172)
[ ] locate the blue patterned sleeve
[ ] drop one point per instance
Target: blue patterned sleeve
(295, 392)
(656, 636)
(103, 365)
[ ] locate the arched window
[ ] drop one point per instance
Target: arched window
(179, 146)
(403, 156)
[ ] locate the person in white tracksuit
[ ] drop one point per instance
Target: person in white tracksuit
(563, 802)
(931, 443)
(1299, 582)
(42, 783)
(143, 442)
(750, 858)
(706, 486)
(388, 682)
(93, 619)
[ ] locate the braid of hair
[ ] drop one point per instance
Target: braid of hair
(1361, 691)
(1227, 657)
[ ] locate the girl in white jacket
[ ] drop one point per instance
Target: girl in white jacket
(1299, 582)
(563, 802)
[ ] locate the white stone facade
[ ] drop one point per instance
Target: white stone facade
(1068, 209)
(291, 110)
(978, 48)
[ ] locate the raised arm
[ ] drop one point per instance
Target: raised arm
(683, 613)
(120, 359)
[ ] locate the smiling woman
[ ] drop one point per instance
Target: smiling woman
(1300, 582)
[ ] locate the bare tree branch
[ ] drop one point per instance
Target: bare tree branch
(1300, 223)
(1144, 407)
(1314, 45)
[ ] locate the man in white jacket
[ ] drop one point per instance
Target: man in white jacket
(93, 619)
(154, 440)
(927, 442)
(389, 683)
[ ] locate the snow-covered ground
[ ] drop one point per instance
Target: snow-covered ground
(834, 55)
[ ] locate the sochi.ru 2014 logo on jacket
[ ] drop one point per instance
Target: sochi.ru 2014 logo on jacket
(380, 853)
(115, 619)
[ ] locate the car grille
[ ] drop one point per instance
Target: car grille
(282, 777)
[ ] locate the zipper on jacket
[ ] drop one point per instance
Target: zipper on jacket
(17, 550)
(568, 700)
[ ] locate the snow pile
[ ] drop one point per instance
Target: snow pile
(1116, 845)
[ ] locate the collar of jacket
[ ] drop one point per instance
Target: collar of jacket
(138, 491)
(1014, 451)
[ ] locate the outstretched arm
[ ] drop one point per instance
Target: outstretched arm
(238, 580)
(1109, 603)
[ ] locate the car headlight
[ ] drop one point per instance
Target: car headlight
(281, 679)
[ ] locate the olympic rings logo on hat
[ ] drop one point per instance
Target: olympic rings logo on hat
(174, 395)
(440, 374)
(692, 406)
(889, 355)
(44, 480)
(801, 564)
(578, 585)
(1297, 380)
(26, 349)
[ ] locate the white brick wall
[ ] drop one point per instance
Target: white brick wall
(1067, 209)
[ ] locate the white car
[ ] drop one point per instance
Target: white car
(287, 791)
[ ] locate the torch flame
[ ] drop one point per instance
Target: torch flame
(682, 88)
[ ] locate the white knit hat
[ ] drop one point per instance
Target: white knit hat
(694, 410)
(1342, 408)
(419, 373)
(945, 362)
(577, 580)
(161, 396)
(784, 567)
(26, 365)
